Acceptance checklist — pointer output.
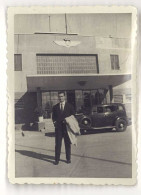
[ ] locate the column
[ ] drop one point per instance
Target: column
(111, 93)
(39, 98)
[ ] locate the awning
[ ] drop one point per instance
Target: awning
(72, 82)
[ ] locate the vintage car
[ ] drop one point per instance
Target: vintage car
(109, 116)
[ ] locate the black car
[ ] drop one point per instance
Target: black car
(107, 116)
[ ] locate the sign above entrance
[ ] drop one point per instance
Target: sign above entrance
(67, 43)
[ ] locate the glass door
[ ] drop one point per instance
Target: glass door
(71, 97)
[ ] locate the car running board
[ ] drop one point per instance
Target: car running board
(108, 127)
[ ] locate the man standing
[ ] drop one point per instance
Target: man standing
(60, 112)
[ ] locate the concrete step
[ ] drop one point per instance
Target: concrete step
(49, 126)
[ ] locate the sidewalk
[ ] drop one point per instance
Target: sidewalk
(107, 154)
(35, 156)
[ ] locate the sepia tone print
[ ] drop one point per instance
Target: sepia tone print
(73, 70)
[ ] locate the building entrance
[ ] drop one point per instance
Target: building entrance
(82, 100)
(71, 97)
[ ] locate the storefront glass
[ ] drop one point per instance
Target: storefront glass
(79, 101)
(82, 100)
(54, 97)
(46, 104)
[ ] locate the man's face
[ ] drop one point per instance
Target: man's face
(61, 97)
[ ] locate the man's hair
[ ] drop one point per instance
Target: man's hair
(59, 92)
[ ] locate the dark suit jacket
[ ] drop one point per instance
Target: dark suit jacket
(58, 116)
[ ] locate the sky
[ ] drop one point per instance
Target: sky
(115, 25)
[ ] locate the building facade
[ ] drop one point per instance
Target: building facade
(87, 68)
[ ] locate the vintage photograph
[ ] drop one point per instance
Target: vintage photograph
(73, 89)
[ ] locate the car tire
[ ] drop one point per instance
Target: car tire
(121, 125)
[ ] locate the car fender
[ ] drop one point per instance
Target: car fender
(85, 117)
(118, 118)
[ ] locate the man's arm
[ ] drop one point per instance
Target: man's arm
(53, 115)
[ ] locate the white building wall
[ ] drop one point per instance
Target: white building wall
(30, 45)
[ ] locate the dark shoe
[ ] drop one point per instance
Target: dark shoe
(68, 161)
(56, 162)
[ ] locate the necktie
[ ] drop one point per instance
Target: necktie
(62, 108)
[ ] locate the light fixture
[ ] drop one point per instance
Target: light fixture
(82, 83)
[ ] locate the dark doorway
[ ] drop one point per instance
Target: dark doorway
(71, 97)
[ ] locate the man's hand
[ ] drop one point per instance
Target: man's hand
(54, 122)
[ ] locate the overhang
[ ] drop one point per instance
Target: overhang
(72, 82)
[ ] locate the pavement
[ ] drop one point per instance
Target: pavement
(101, 154)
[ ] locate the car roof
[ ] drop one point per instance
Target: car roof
(104, 105)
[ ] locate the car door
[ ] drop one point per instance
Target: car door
(110, 115)
(98, 117)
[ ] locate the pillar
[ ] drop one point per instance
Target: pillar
(39, 98)
(111, 93)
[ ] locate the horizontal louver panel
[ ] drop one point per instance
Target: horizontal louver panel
(66, 64)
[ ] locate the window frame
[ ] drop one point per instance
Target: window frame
(121, 106)
(18, 67)
(102, 108)
(113, 65)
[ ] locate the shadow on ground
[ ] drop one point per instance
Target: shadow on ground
(47, 158)
(28, 127)
(91, 131)
(50, 134)
(51, 159)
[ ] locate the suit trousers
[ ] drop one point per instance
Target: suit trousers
(60, 132)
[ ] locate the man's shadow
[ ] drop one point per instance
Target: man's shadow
(36, 155)
(50, 134)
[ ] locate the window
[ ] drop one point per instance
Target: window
(110, 108)
(118, 98)
(128, 98)
(120, 108)
(18, 62)
(87, 99)
(100, 109)
(114, 62)
(94, 109)
(79, 101)
(19, 103)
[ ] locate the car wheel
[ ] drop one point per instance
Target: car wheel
(121, 125)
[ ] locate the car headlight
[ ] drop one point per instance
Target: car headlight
(85, 122)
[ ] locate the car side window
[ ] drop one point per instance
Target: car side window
(100, 109)
(108, 109)
(120, 108)
(112, 108)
